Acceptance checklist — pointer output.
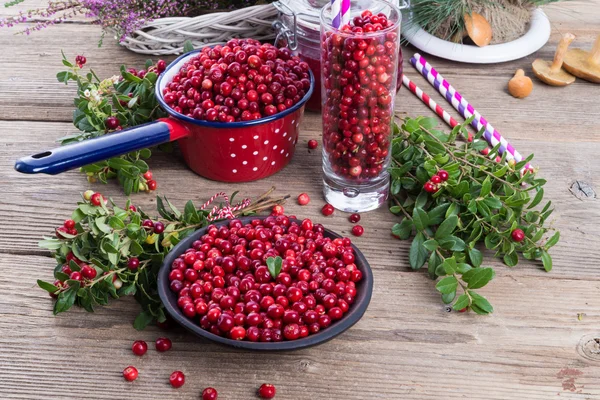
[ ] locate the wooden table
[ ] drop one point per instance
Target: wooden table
(542, 342)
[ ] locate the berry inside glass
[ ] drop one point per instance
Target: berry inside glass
(359, 82)
(223, 282)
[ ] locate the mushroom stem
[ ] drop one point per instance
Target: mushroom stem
(563, 45)
(519, 73)
(595, 53)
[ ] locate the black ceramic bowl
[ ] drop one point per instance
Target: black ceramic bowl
(357, 309)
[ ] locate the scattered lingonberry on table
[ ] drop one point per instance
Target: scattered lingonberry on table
(266, 391)
(163, 344)
(177, 379)
(130, 373)
(209, 394)
(358, 230)
(312, 144)
(354, 218)
(277, 210)
(327, 210)
(303, 199)
(139, 347)
(518, 235)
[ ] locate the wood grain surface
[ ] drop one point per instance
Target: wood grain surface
(542, 342)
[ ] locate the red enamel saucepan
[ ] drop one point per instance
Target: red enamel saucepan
(222, 151)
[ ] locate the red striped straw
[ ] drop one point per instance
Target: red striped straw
(226, 211)
(340, 13)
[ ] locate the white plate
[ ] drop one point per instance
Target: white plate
(531, 41)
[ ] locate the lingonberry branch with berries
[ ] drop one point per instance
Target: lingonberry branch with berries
(453, 199)
(113, 104)
(106, 251)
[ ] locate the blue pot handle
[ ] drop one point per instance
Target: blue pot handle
(76, 155)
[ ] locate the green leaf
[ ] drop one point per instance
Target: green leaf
(447, 298)
(420, 218)
(173, 208)
(128, 290)
(142, 320)
(403, 229)
(463, 301)
(417, 253)
(188, 46)
(65, 76)
(480, 303)
(493, 202)
(430, 245)
(537, 199)
(421, 199)
(274, 266)
(452, 243)
(476, 257)
(116, 223)
(100, 224)
(546, 261)
(552, 241)
(461, 268)
(50, 288)
(190, 214)
(436, 215)
(50, 244)
(478, 277)
(486, 187)
(449, 265)
(432, 265)
(447, 227)
(511, 259)
(67, 298)
(447, 285)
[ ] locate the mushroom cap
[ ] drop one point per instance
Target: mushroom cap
(520, 86)
(578, 63)
(541, 69)
(478, 29)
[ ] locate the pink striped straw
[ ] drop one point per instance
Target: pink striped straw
(491, 135)
(340, 11)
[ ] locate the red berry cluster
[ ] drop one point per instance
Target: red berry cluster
(433, 184)
(68, 227)
(151, 183)
(518, 235)
(360, 87)
(80, 61)
(241, 81)
(85, 274)
(224, 284)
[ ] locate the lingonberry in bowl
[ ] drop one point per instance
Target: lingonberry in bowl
(241, 294)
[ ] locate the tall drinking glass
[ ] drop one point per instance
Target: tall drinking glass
(358, 86)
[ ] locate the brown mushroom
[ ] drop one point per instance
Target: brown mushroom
(478, 29)
(553, 74)
(583, 64)
(520, 86)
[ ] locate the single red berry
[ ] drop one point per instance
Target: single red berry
(147, 175)
(133, 263)
(96, 199)
(303, 199)
(237, 333)
(358, 230)
(80, 61)
(277, 210)
(443, 175)
(139, 347)
(152, 185)
(463, 310)
(485, 151)
(112, 123)
(159, 227)
(161, 65)
(133, 208)
(429, 188)
(436, 180)
(75, 275)
(327, 210)
(130, 373)
(354, 218)
(266, 391)
(88, 272)
(163, 344)
(177, 379)
(209, 394)
(518, 235)
(69, 224)
(313, 144)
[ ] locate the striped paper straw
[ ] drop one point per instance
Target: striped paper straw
(491, 135)
(340, 11)
(345, 12)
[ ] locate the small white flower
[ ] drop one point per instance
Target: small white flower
(94, 92)
(97, 97)
(115, 79)
(86, 93)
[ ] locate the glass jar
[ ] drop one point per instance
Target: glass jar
(358, 88)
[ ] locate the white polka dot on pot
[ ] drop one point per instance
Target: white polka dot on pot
(284, 134)
(255, 137)
(265, 158)
(232, 155)
(277, 130)
(244, 162)
(272, 162)
(255, 169)
(244, 147)
(234, 171)
(275, 147)
(231, 139)
(266, 142)
(255, 153)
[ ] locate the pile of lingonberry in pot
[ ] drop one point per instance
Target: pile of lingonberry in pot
(243, 80)
(267, 281)
(359, 91)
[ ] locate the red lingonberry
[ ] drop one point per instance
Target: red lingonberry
(354, 218)
(177, 379)
(435, 179)
(112, 123)
(159, 227)
(358, 230)
(266, 391)
(88, 272)
(147, 175)
(163, 344)
(152, 185)
(96, 199)
(69, 224)
(327, 210)
(209, 394)
(139, 347)
(130, 373)
(133, 263)
(277, 210)
(312, 144)
(80, 61)
(303, 199)
(443, 175)
(518, 235)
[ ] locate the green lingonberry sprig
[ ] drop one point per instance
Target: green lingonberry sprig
(453, 199)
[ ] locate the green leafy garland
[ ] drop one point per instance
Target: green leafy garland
(482, 203)
(108, 237)
(127, 97)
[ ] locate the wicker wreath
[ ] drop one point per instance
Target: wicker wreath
(167, 35)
